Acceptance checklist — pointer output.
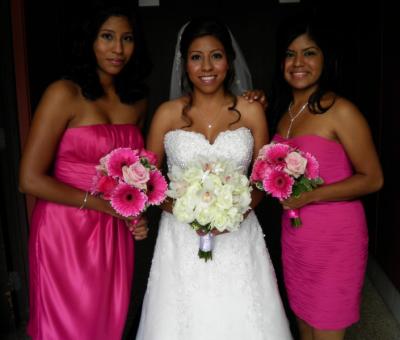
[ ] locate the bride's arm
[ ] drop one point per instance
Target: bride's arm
(255, 119)
(164, 120)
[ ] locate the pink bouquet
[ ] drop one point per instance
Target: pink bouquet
(129, 179)
(284, 171)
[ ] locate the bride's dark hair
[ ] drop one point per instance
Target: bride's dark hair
(197, 28)
(129, 83)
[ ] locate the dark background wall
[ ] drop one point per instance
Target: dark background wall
(371, 80)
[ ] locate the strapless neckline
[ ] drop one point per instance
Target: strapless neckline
(201, 135)
(101, 125)
(309, 136)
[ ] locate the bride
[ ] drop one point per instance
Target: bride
(235, 295)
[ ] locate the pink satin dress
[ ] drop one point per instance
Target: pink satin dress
(81, 261)
(324, 260)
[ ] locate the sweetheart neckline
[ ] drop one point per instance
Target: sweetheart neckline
(221, 133)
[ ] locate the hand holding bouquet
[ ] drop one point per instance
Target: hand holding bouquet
(284, 171)
(209, 194)
(129, 179)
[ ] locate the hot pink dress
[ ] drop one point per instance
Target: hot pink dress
(324, 260)
(81, 261)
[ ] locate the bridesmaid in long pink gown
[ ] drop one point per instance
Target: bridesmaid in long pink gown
(81, 253)
(324, 259)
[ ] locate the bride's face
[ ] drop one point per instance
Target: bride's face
(207, 64)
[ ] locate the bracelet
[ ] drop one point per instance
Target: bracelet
(84, 200)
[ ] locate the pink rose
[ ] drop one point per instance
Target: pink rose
(295, 164)
(136, 175)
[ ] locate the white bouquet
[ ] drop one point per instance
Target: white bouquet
(209, 194)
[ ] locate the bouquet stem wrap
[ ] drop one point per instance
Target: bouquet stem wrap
(294, 215)
(206, 246)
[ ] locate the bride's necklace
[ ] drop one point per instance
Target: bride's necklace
(294, 116)
(211, 123)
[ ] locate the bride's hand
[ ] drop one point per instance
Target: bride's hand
(213, 231)
(216, 232)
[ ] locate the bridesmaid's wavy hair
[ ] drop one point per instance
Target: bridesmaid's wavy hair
(129, 83)
(197, 28)
(289, 30)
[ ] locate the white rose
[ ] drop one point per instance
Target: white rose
(221, 220)
(203, 216)
(183, 211)
(224, 197)
(193, 175)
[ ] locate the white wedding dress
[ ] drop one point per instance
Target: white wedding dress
(234, 296)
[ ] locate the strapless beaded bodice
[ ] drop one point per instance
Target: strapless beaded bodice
(182, 147)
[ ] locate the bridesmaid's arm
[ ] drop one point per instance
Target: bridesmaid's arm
(49, 123)
(353, 133)
(141, 106)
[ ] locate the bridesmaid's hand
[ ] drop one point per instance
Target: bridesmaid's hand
(256, 95)
(138, 228)
(297, 202)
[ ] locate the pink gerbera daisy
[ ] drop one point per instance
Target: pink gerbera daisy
(127, 200)
(276, 154)
(119, 158)
(278, 184)
(156, 188)
(312, 169)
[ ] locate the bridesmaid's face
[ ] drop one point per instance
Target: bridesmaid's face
(207, 64)
(303, 64)
(114, 45)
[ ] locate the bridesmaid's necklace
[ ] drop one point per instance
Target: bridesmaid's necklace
(294, 116)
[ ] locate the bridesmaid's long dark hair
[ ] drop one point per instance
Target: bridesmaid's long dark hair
(289, 30)
(129, 84)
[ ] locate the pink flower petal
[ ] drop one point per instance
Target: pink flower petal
(128, 201)
(278, 184)
(156, 188)
(119, 158)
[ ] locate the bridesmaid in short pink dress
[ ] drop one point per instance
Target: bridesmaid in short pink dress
(81, 253)
(324, 259)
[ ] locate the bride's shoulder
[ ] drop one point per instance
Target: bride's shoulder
(169, 113)
(249, 111)
(171, 108)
